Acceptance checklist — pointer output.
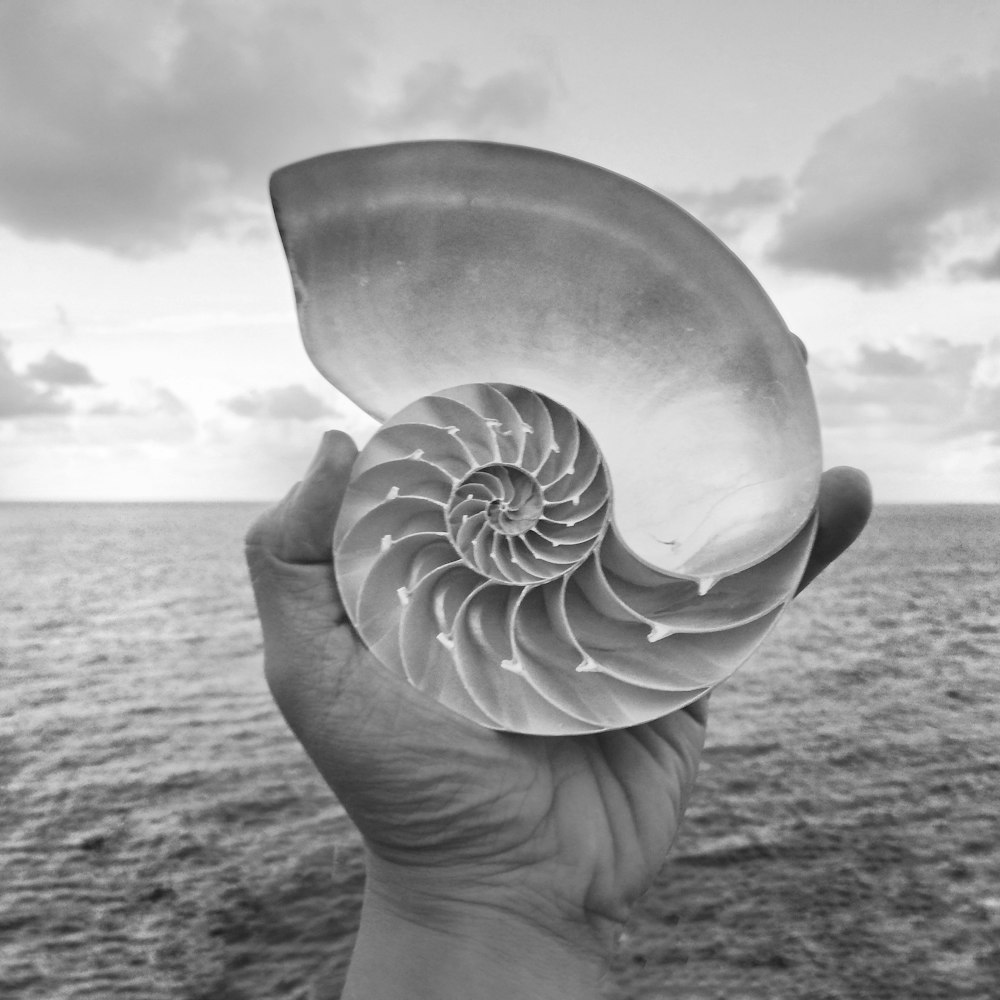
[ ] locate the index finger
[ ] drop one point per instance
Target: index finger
(845, 504)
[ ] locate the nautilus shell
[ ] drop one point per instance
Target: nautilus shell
(594, 489)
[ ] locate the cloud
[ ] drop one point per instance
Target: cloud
(727, 211)
(293, 402)
(984, 268)
(438, 93)
(935, 391)
(142, 400)
(873, 200)
(153, 457)
(20, 397)
(54, 369)
(888, 362)
(923, 419)
(91, 413)
(133, 126)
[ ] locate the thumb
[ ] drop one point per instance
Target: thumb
(299, 528)
(288, 553)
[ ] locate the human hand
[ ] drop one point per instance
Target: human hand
(492, 857)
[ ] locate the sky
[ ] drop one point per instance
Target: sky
(848, 152)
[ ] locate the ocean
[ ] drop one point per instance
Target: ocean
(162, 834)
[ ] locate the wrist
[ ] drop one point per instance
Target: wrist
(444, 940)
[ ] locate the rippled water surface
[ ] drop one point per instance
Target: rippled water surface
(162, 835)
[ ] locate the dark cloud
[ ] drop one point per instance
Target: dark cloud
(293, 402)
(727, 211)
(986, 268)
(438, 93)
(132, 126)
(54, 369)
(871, 199)
(38, 391)
(20, 396)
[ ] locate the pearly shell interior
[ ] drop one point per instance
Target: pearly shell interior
(561, 304)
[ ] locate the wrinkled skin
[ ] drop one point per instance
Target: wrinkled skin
(564, 833)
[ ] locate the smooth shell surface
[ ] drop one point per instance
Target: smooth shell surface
(573, 313)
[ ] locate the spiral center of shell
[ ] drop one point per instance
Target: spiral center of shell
(504, 527)
(520, 506)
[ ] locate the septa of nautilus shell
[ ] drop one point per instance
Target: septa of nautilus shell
(429, 264)
(477, 555)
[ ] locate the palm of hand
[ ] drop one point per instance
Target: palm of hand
(579, 824)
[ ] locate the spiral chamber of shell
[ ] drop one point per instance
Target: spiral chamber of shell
(476, 554)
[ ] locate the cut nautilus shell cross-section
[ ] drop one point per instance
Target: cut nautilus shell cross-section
(593, 491)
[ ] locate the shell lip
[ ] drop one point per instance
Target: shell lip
(302, 187)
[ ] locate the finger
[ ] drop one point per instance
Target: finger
(299, 529)
(845, 504)
(310, 517)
